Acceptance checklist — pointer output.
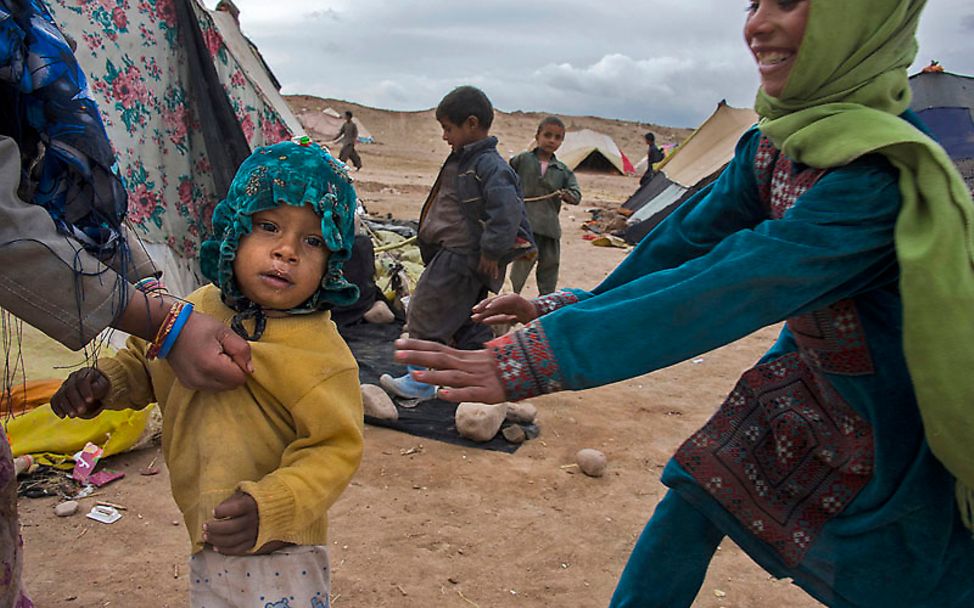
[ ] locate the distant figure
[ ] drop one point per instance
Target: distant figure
(348, 135)
(466, 245)
(547, 183)
(653, 155)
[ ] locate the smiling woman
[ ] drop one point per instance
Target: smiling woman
(843, 459)
(774, 31)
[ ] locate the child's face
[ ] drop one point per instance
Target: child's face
(460, 135)
(280, 262)
(549, 137)
(774, 30)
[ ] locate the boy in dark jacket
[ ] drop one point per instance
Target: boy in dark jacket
(473, 224)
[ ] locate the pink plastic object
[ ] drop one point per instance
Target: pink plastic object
(104, 477)
(85, 461)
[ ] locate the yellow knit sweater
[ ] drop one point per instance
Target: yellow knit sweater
(291, 437)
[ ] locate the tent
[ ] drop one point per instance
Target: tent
(945, 102)
(594, 151)
(694, 164)
(324, 125)
(643, 163)
(184, 99)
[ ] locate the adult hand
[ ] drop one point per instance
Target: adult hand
(209, 356)
(568, 197)
(489, 268)
(468, 375)
(233, 529)
(81, 393)
(504, 308)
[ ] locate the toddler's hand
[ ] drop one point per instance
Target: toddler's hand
(504, 308)
(81, 394)
(233, 529)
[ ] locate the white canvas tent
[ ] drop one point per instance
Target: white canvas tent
(591, 149)
(696, 162)
(324, 125)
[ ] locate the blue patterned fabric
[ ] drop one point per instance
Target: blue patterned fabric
(45, 99)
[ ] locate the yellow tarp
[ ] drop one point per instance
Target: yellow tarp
(35, 430)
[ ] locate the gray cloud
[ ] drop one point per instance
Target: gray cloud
(655, 61)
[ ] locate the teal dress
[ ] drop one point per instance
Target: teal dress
(816, 463)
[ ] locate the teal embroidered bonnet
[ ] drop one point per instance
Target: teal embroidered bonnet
(292, 174)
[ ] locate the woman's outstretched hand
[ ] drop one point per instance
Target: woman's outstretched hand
(504, 308)
(463, 375)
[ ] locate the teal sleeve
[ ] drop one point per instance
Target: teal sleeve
(707, 277)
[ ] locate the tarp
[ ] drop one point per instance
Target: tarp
(945, 103)
(184, 100)
(324, 125)
(587, 149)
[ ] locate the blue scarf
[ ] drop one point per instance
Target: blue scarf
(44, 98)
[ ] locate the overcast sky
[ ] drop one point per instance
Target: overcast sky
(662, 61)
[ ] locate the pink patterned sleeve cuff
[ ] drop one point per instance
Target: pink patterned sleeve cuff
(525, 363)
(553, 301)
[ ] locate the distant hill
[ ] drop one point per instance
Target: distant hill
(418, 132)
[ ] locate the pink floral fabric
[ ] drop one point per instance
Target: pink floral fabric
(131, 52)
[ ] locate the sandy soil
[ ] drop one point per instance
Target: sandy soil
(431, 524)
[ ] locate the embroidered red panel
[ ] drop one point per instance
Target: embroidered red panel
(526, 363)
(779, 185)
(784, 454)
(832, 340)
(553, 301)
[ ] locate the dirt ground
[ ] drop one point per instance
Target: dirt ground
(426, 523)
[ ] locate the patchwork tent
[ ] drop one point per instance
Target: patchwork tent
(324, 125)
(593, 151)
(945, 102)
(694, 164)
(185, 99)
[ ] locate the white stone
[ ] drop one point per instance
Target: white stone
(591, 462)
(66, 508)
(378, 404)
(521, 412)
(480, 421)
(379, 313)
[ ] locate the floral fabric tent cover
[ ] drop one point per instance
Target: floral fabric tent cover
(140, 73)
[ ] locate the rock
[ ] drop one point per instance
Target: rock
(379, 314)
(378, 404)
(521, 412)
(480, 421)
(514, 434)
(66, 508)
(591, 462)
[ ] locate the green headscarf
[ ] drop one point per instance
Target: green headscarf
(842, 101)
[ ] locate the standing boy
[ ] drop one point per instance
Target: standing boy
(547, 183)
(653, 155)
(472, 225)
(255, 469)
(348, 135)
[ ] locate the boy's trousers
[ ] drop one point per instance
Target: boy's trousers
(549, 260)
(439, 307)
